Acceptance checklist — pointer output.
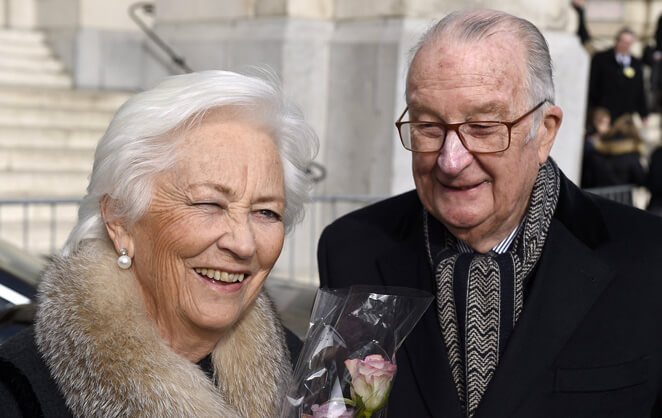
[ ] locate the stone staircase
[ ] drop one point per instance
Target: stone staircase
(48, 132)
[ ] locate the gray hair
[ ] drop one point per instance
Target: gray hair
(142, 138)
(476, 25)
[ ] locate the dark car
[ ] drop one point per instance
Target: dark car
(19, 276)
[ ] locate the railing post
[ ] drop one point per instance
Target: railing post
(5, 13)
(313, 235)
(26, 225)
(53, 228)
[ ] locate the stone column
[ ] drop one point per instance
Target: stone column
(344, 61)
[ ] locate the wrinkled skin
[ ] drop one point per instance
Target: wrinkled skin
(479, 198)
(220, 208)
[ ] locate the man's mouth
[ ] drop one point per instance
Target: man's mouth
(464, 187)
(220, 276)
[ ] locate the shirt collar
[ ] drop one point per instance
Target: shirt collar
(623, 59)
(500, 248)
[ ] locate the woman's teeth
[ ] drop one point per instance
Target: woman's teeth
(222, 276)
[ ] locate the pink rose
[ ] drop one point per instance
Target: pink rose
(371, 380)
(331, 409)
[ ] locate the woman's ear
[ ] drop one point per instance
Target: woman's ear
(117, 231)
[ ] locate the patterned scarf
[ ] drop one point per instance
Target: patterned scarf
(480, 296)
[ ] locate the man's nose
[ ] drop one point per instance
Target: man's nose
(239, 237)
(453, 156)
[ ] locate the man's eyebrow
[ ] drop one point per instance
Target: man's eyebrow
(420, 108)
(494, 107)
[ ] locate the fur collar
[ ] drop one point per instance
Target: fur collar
(108, 360)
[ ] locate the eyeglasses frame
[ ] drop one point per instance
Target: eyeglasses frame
(456, 127)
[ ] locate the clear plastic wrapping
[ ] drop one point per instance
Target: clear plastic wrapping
(348, 362)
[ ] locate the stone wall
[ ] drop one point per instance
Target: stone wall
(342, 61)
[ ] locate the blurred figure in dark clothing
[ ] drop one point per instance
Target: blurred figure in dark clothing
(582, 29)
(654, 182)
(613, 158)
(616, 81)
(653, 58)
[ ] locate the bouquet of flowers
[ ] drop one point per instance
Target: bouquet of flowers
(347, 364)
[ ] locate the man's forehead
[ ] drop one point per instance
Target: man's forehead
(499, 52)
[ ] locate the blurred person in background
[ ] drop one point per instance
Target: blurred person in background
(614, 155)
(616, 79)
(155, 306)
(547, 296)
(654, 182)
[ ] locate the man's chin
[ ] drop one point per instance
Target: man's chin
(460, 223)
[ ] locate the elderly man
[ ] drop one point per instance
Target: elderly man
(617, 80)
(547, 298)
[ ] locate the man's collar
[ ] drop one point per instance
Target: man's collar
(500, 248)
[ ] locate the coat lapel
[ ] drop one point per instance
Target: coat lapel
(407, 265)
(569, 279)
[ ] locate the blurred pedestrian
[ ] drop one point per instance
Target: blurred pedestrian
(654, 182)
(616, 80)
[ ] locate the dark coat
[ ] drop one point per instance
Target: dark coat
(588, 342)
(26, 387)
(611, 89)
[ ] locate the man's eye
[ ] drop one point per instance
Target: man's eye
(428, 129)
(482, 129)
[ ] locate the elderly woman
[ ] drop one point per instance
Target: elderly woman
(155, 306)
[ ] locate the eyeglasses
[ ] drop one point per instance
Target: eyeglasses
(479, 137)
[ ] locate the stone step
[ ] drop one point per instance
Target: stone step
(20, 35)
(41, 79)
(53, 183)
(40, 160)
(25, 49)
(49, 138)
(47, 118)
(31, 64)
(62, 98)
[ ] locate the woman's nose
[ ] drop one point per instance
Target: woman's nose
(239, 238)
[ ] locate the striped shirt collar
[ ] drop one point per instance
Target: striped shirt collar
(500, 248)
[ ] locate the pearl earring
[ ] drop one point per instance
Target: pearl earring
(124, 261)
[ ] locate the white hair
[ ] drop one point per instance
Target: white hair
(142, 138)
(476, 25)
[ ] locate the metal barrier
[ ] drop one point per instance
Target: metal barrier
(38, 225)
(621, 193)
(41, 226)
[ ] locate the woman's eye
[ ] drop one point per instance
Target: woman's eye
(269, 214)
(208, 205)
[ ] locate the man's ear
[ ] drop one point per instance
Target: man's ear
(550, 126)
(117, 231)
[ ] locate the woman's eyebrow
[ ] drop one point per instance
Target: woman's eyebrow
(215, 186)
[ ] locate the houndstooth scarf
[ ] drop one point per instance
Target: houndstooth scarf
(480, 296)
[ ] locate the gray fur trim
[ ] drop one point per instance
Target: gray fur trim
(108, 359)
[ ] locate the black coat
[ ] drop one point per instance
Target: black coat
(611, 89)
(588, 342)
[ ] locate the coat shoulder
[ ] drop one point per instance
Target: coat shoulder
(26, 387)
(608, 225)
(381, 219)
(351, 247)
